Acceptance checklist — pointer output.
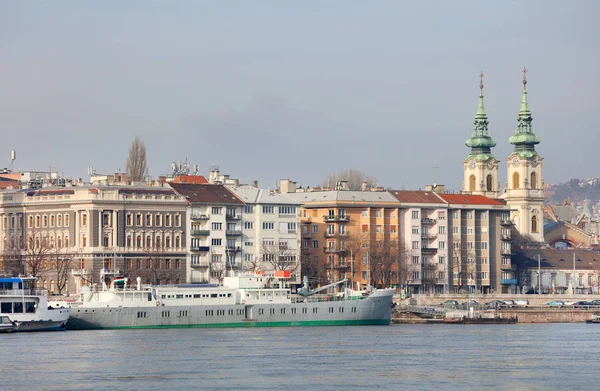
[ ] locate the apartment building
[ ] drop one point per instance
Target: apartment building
(480, 232)
(132, 231)
(270, 230)
(424, 237)
(349, 234)
(214, 231)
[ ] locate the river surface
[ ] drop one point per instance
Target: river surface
(428, 357)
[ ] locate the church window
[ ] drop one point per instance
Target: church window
(533, 180)
(515, 180)
(472, 183)
(534, 224)
(489, 185)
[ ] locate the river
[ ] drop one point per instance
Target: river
(431, 357)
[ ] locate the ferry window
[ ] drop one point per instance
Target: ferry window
(196, 296)
(304, 310)
(30, 307)
(6, 308)
(149, 296)
(293, 310)
(283, 310)
(315, 309)
(229, 295)
(213, 295)
(18, 308)
(179, 296)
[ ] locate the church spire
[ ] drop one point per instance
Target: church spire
(524, 138)
(481, 141)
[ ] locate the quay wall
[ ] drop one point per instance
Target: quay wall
(534, 300)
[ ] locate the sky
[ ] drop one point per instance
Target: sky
(271, 90)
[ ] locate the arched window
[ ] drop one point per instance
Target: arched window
(168, 242)
(138, 241)
(534, 224)
(128, 240)
(157, 242)
(83, 240)
(59, 242)
(472, 183)
(148, 241)
(66, 241)
(488, 183)
(177, 242)
(533, 180)
(515, 180)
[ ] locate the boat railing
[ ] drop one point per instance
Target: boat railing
(324, 298)
(23, 292)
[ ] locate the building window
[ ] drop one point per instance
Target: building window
(287, 210)
(415, 260)
(470, 245)
(138, 241)
(392, 228)
(51, 220)
(378, 213)
(441, 260)
(148, 241)
(378, 228)
(415, 275)
(472, 183)
(168, 242)
(365, 258)
(83, 240)
(455, 230)
(515, 180)
(469, 231)
(167, 220)
(178, 220)
(248, 209)
(441, 229)
(216, 242)
(268, 226)
(148, 220)
(415, 229)
(534, 224)
(415, 245)
(315, 228)
(129, 241)
(484, 275)
(533, 180)
(442, 245)
(455, 214)
(216, 210)
(469, 215)
(129, 220)
(505, 261)
(315, 244)
(415, 214)
(177, 241)
(365, 213)
(158, 219)
(442, 215)
(484, 261)
(268, 209)
(217, 226)
(484, 245)
(248, 225)
(138, 219)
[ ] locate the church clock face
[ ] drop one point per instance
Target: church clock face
(516, 161)
(491, 165)
(472, 163)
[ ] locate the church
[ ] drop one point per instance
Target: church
(523, 191)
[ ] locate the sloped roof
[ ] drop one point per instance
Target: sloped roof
(560, 259)
(566, 213)
(417, 197)
(189, 179)
(344, 196)
(206, 193)
(470, 199)
(254, 195)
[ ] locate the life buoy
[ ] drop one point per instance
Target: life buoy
(157, 303)
(243, 301)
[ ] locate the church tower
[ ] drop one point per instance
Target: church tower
(480, 167)
(525, 187)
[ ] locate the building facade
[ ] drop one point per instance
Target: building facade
(133, 231)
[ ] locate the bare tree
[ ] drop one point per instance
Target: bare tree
(158, 269)
(136, 166)
(279, 257)
(355, 179)
(217, 271)
(60, 266)
(312, 265)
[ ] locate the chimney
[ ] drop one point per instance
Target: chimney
(255, 184)
(287, 186)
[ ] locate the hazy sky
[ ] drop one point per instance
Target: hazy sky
(296, 89)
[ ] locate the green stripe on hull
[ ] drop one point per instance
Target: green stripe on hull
(373, 322)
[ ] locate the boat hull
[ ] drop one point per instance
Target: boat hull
(41, 325)
(369, 311)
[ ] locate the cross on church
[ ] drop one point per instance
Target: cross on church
(524, 75)
(481, 81)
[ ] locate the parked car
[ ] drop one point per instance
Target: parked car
(521, 303)
(569, 303)
(494, 304)
(595, 303)
(449, 304)
(581, 304)
(470, 303)
(509, 303)
(555, 303)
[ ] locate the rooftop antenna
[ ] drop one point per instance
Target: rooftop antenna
(13, 156)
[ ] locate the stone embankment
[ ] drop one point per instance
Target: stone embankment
(535, 312)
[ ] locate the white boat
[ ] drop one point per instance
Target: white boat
(27, 309)
(245, 300)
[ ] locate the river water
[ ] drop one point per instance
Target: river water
(430, 357)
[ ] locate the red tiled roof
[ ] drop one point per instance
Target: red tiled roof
(9, 185)
(469, 199)
(206, 193)
(189, 179)
(414, 196)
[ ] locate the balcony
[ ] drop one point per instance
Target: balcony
(505, 252)
(428, 221)
(200, 248)
(199, 217)
(80, 272)
(233, 233)
(334, 250)
(306, 219)
(505, 222)
(429, 250)
(428, 237)
(336, 218)
(232, 217)
(200, 232)
(509, 281)
(200, 263)
(328, 234)
(341, 266)
(505, 267)
(505, 237)
(232, 249)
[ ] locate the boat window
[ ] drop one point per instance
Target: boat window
(229, 295)
(6, 308)
(179, 297)
(196, 296)
(18, 308)
(30, 307)
(149, 296)
(213, 295)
